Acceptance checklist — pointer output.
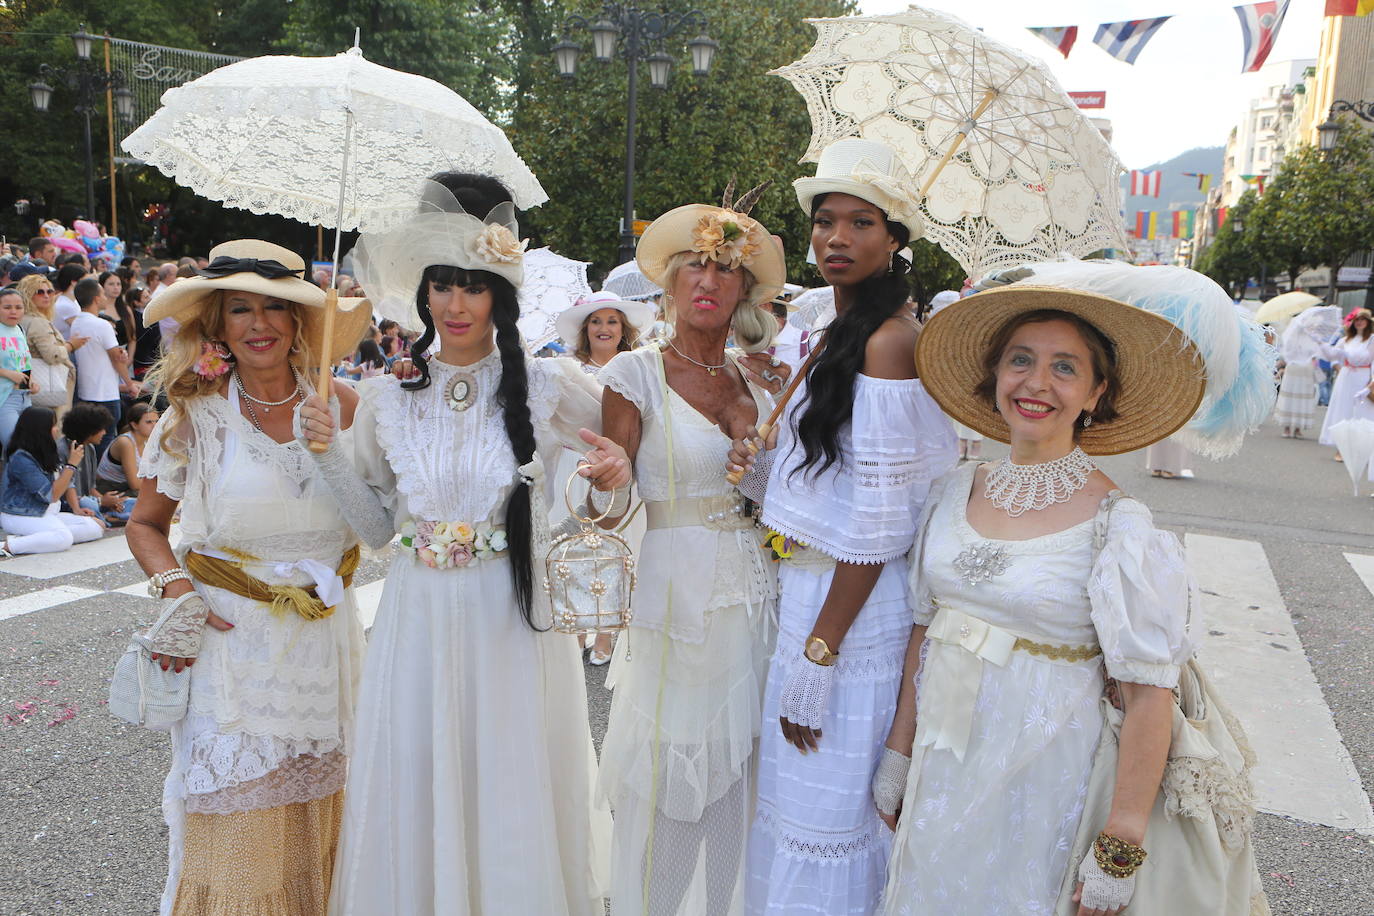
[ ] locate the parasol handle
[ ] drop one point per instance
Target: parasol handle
(331, 306)
(988, 98)
(734, 477)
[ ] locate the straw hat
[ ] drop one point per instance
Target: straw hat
(255, 266)
(1161, 373)
(638, 315)
(869, 171)
(726, 234)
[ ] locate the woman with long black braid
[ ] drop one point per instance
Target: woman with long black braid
(470, 787)
(856, 452)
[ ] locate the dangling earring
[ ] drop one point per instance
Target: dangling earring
(892, 262)
(1087, 420)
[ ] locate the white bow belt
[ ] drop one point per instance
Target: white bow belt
(329, 586)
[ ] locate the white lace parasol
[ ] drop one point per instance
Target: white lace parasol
(628, 282)
(1010, 170)
(270, 135)
(552, 284)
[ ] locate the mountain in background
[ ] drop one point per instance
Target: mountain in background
(1177, 191)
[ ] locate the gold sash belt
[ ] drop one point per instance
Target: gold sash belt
(230, 576)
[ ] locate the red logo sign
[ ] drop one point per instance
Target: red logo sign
(1089, 99)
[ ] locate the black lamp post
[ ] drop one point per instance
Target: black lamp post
(1328, 133)
(87, 81)
(637, 31)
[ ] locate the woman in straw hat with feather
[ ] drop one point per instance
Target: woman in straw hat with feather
(471, 788)
(1032, 576)
(265, 625)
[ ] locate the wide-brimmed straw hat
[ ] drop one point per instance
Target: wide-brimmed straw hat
(870, 171)
(1161, 373)
(726, 234)
(638, 315)
(255, 266)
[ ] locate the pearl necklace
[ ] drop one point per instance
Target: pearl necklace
(711, 369)
(268, 405)
(1019, 488)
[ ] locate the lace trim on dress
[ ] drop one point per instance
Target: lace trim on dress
(297, 779)
(820, 848)
(1199, 788)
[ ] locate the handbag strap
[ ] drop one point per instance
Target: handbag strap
(145, 639)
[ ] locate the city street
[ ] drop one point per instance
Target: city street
(1283, 553)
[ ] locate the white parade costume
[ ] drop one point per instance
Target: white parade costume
(817, 845)
(470, 790)
(270, 718)
(678, 760)
(1347, 393)
(1008, 727)
(1297, 402)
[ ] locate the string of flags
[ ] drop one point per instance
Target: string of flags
(1145, 184)
(1259, 27)
(1174, 224)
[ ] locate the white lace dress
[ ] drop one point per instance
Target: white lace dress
(271, 709)
(677, 761)
(1348, 400)
(1007, 735)
(817, 845)
(470, 788)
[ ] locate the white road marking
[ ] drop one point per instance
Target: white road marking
(43, 599)
(1261, 671)
(75, 559)
(1363, 564)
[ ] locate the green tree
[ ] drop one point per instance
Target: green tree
(1229, 260)
(1273, 234)
(1329, 208)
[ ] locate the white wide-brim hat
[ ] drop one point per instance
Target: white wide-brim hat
(681, 230)
(255, 266)
(870, 171)
(638, 315)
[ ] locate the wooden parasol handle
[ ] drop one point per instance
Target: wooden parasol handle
(331, 306)
(734, 477)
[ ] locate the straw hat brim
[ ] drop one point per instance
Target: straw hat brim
(672, 232)
(186, 298)
(1161, 375)
(638, 315)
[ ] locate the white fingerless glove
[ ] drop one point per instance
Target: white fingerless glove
(754, 485)
(180, 635)
(357, 502)
(806, 692)
(619, 500)
(1100, 890)
(889, 780)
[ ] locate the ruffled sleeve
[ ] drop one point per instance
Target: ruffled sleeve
(918, 583)
(633, 376)
(364, 445)
(1142, 598)
(567, 400)
(864, 509)
(166, 457)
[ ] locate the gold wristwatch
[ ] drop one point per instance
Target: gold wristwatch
(818, 651)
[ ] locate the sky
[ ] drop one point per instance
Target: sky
(1185, 89)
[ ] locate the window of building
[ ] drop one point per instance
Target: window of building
(1266, 122)
(1262, 154)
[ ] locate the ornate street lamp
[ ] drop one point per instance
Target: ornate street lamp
(637, 32)
(1327, 134)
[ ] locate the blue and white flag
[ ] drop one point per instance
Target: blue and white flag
(1125, 40)
(1259, 26)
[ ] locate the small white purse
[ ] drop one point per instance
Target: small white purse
(141, 693)
(589, 576)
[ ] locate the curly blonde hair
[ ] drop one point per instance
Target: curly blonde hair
(26, 288)
(754, 328)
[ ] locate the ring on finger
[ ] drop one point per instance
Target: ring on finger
(770, 376)
(775, 362)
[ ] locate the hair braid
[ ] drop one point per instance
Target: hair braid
(513, 397)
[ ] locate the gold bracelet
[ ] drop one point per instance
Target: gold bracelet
(1116, 857)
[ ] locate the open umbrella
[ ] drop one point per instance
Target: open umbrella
(552, 284)
(1010, 170)
(1355, 440)
(628, 282)
(1286, 306)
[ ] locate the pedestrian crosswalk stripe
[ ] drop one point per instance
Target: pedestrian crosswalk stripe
(1363, 564)
(1252, 652)
(43, 599)
(75, 559)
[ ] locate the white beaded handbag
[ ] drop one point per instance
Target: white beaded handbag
(589, 575)
(141, 693)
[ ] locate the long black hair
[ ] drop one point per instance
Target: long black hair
(829, 403)
(33, 434)
(479, 194)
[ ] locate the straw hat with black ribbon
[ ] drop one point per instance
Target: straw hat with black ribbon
(1188, 362)
(255, 266)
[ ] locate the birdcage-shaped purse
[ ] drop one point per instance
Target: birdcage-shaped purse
(589, 576)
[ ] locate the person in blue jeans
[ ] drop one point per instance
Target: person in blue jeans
(34, 482)
(15, 363)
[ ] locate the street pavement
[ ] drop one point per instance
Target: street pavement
(1284, 556)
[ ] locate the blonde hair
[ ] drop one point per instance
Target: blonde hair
(754, 328)
(174, 374)
(26, 287)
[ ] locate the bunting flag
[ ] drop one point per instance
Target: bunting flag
(1184, 223)
(1063, 37)
(1125, 40)
(1204, 179)
(1220, 214)
(1259, 26)
(1349, 7)
(1146, 224)
(1256, 180)
(1145, 184)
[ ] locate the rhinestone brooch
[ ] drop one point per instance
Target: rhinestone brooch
(981, 562)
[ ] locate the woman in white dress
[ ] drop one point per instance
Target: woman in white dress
(266, 622)
(1028, 575)
(678, 760)
(1297, 403)
(470, 790)
(858, 447)
(1353, 353)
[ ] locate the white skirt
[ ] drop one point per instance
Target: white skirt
(470, 786)
(1346, 401)
(817, 845)
(1297, 402)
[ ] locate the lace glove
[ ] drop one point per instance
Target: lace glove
(806, 693)
(889, 780)
(180, 635)
(619, 503)
(1100, 890)
(754, 485)
(357, 501)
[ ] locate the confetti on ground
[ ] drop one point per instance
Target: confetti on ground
(48, 683)
(65, 714)
(1286, 879)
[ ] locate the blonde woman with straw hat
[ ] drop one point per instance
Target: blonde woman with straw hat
(678, 759)
(1032, 575)
(264, 623)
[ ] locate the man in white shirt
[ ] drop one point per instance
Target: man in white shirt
(65, 308)
(102, 366)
